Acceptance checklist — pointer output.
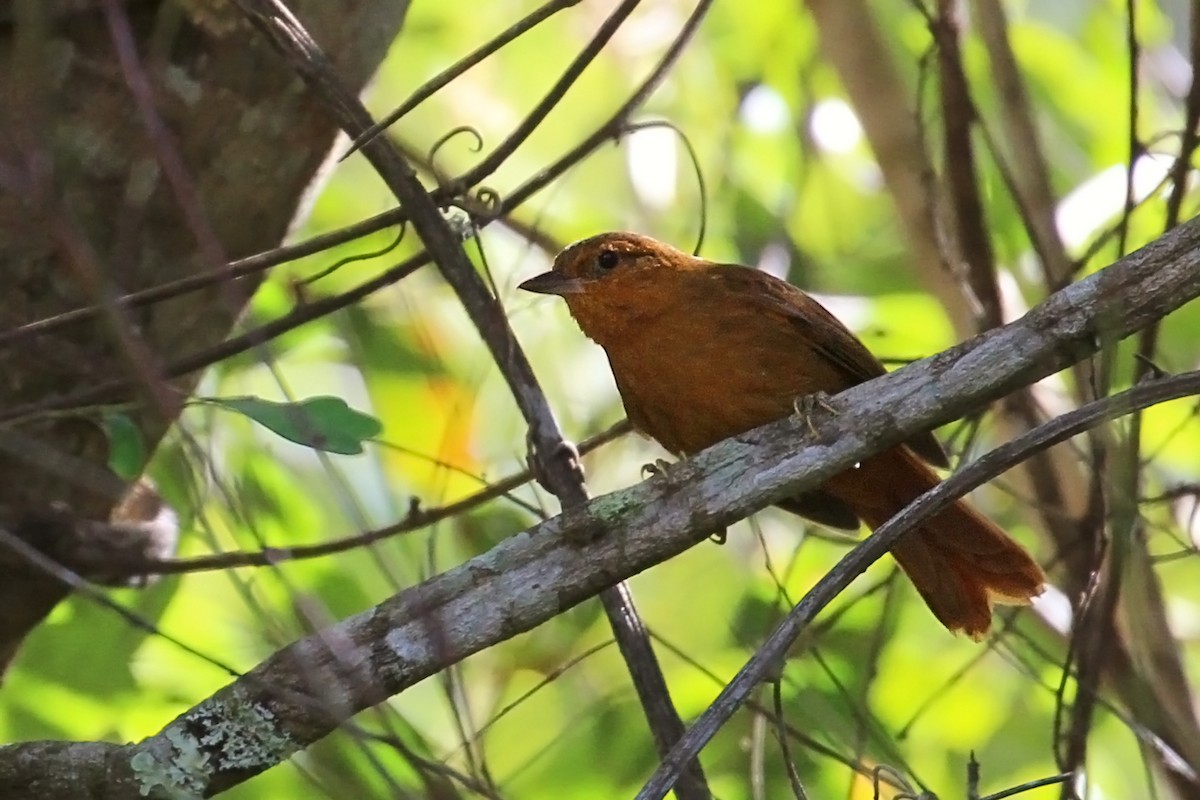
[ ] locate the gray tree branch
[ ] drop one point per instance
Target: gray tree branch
(307, 689)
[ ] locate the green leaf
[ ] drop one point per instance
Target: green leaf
(126, 450)
(322, 423)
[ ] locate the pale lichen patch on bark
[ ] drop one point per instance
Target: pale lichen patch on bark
(228, 733)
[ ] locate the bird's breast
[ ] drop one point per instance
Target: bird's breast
(689, 381)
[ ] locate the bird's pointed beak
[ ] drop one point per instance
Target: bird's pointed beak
(553, 283)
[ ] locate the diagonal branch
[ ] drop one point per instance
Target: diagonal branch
(768, 657)
(305, 690)
(558, 461)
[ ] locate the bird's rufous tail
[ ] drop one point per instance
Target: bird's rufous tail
(960, 561)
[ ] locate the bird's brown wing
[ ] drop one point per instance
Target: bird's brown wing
(825, 333)
(822, 507)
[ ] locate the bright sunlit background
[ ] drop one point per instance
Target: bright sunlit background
(792, 187)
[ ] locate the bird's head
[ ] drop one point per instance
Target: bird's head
(614, 280)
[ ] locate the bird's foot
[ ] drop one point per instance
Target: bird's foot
(806, 405)
(658, 467)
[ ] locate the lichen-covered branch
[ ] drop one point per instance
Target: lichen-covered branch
(305, 690)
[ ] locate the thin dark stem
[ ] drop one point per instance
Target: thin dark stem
(40, 562)
(613, 126)
(558, 462)
(82, 261)
(1029, 786)
(417, 519)
(1190, 138)
(233, 271)
(781, 736)
(104, 392)
(959, 116)
(482, 170)
(1134, 51)
(810, 744)
(431, 87)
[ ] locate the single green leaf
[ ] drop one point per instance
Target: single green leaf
(322, 423)
(126, 450)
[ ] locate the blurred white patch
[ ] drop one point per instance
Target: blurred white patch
(460, 223)
(834, 126)
(1012, 302)
(1082, 787)
(651, 157)
(775, 260)
(854, 311)
(643, 34)
(1054, 607)
(1172, 68)
(869, 177)
(1187, 514)
(1094, 203)
(764, 110)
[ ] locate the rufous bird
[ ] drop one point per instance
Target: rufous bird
(703, 351)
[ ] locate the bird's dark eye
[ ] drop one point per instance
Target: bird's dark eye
(607, 259)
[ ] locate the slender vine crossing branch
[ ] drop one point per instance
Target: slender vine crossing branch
(979, 472)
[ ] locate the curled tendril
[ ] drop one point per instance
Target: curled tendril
(485, 204)
(489, 202)
(475, 146)
(907, 793)
(695, 159)
(482, 207)
(311, 279)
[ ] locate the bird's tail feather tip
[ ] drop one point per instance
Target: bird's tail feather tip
(959, 588)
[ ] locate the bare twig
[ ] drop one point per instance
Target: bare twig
(103, 392)
(498, 156)
(1030, 170)
(429, 88)
(958, 112)
(417, 519)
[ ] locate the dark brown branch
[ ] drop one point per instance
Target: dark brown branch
(958, 113)
(558, 462)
